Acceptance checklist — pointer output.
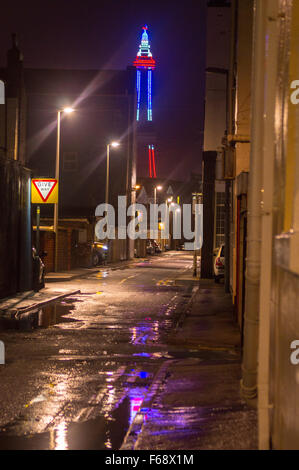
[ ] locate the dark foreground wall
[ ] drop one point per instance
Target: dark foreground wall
(15, 228)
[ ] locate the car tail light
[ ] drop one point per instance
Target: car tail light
(218, 262)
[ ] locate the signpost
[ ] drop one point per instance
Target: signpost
(43, 191)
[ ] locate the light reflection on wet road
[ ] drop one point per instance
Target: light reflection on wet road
(77, 371)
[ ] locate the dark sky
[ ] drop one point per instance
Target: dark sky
(96, 34)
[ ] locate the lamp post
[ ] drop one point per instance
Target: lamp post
(67, 111)
(155, 192)
(155, 198)
(113, 144)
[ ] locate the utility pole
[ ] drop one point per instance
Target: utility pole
(66, 110)
(57, 178)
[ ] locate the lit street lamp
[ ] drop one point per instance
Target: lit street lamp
(155, 192)
(67, 110)
(113, 144)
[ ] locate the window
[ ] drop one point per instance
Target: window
(70, 161)
(220, 218)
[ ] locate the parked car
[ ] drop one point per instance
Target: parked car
(219, 264)
(99, 253)
(180, 246)
(150, 248)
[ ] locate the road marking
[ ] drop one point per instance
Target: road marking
(126, 278)
(165, 282)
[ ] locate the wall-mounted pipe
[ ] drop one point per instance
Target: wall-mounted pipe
(253, 260)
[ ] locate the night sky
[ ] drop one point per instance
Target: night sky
(95, 34)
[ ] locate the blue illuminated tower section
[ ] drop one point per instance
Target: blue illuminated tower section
(145, 64)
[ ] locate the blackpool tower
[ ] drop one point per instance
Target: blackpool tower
(145, 65)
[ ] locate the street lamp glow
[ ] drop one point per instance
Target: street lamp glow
(68, 110)
(155, 192)
(115, 144)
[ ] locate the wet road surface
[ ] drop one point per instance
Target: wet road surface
(77, 371)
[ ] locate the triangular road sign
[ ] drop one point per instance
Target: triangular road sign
(44, 188)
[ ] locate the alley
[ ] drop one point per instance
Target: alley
(136, 361)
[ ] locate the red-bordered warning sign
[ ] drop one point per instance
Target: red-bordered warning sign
(44, 191)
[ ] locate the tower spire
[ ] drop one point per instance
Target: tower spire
(145, 65)
(144, 58)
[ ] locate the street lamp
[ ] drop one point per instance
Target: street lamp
(66, 110)
(113, 144)
(155, 192)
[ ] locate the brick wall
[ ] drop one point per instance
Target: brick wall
(47, 243)
(48, 246)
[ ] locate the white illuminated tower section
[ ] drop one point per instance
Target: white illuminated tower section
(145, 64)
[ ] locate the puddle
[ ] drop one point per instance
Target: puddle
(136, 396)
(49, 315)
(95, 434)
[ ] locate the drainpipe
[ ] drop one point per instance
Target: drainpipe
(253, 261)
(230, 128)
(271, 55)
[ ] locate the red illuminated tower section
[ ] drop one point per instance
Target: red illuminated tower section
(145, 65)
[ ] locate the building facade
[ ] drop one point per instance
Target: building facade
(264, 217)
(215, 128)
(277, 379)
(15, 232)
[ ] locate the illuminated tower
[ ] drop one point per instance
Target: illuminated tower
(145, 64)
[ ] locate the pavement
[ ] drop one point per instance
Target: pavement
(195, 402)
(25, 301)
(63, 276)
(187, 279)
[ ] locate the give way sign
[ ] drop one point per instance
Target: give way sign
(44, 191)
